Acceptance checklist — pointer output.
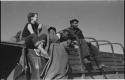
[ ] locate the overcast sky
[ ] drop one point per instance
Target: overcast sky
(102, 20)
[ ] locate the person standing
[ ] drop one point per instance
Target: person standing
(33, 45)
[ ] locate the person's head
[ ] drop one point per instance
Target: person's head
(32, 17)
(74, 23)
(52, 33)
(52, 30)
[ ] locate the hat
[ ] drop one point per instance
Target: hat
(73, 20)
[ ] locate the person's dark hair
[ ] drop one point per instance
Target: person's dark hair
(52, 28)
(31, 14)
(74, 20)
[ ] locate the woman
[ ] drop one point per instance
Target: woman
(34, 47)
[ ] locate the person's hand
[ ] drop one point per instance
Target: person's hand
(40, 47)
(44, 53)
(38, 43)
(69, 42)
(37, 52)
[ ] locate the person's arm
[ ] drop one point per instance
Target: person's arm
(43, 51)
(80, 34)
(47, 43)
(58, 35)
(41, 48)
(30, 29)
(63, 35)
(39, 28)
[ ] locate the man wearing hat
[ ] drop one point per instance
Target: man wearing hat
(74, 34)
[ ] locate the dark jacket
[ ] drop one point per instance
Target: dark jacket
(67, 34)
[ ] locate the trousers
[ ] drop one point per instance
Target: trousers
(36, 64)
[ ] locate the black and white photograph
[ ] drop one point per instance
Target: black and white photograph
(62, 39)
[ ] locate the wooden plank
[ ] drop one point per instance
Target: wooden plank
(113, 69)
(110, 68)
(76, 68)
(13, 44)
(120, 69)
(71, 49)
(110, 63)
(106, 56)
(94, 72)
(108, 59)
(74, 62)
(111, 54)
(73, 57)
(73, 53)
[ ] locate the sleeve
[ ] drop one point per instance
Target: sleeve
(43, 38)
(58, 35)
(80, 34)
(63, 35)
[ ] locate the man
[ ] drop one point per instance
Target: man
(65, 34)
(74, 34)
(57, 65)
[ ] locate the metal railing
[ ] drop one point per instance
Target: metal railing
(98, 43)
(105, 42)
(123, 49)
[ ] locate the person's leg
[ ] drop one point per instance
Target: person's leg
(34, 62)
(43, 63)
(84, 48)
(86, 55)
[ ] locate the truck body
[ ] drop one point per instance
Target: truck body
(104, 65)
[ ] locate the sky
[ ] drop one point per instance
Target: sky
(102, 20)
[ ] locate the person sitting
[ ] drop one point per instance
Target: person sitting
(75, 35)
(57, 65)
